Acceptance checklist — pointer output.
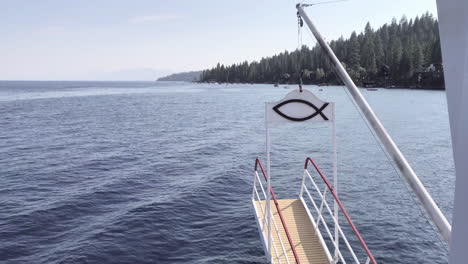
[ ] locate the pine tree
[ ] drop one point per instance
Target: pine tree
(436, 53)
(368, 58)
(378, 50)
(354, 56)
(418, 56)
(406, 65)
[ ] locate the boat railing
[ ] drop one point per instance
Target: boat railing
(264, 223)
(318, 219)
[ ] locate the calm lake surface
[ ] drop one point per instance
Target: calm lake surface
(139, 172)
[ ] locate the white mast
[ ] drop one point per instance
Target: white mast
(402, 164)
(453, 21)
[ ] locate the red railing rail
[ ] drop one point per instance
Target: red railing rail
(283, 222)
(345, 213)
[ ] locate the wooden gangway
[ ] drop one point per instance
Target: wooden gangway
(291, 232)
(305, 240)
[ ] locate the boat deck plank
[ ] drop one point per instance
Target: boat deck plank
(303, 235)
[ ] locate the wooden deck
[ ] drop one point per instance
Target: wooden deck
(304, 238)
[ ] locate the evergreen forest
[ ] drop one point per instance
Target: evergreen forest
(404, 53)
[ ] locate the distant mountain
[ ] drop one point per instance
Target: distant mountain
(134, 74)
(182, 77)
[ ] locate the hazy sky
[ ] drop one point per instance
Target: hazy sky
(57, 39)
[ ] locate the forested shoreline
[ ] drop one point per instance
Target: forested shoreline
(400, 54)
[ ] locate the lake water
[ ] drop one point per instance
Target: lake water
(139, 172)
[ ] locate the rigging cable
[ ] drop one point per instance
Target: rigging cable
(300, 24)
(321, 3)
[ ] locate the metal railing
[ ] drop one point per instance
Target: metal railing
(319, 219)
(265, 211)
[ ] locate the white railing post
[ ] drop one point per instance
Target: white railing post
(253, 186)
(338, 256)
(303, 184)
(321, 205)
(335, 185)
(268, 186)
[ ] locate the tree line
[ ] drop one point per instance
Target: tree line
(402, 54)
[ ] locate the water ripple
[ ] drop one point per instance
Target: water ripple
(115, 172)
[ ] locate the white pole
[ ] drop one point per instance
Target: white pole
(268, 186)
(335, 182)
(416, 185)
(454, 43)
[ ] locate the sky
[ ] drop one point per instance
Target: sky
(145, 39)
